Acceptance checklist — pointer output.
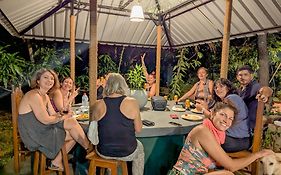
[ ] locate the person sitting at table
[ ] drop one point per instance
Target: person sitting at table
(202, 150)
(118, 118)
(150, 85)
(63, 97)
(203, 89)
(100, 86)
(41, 128)
(238, 135)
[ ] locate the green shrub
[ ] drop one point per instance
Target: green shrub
(6, 141)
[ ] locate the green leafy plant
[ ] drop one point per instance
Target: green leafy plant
(6, 141)
(247, 54)
(121, 59)
(106, 65)
(12, 68)
(82, 81)
(180, 70)
(135, 78)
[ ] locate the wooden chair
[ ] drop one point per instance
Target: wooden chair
(20, 152)
(256, 146)
(97, 161)
(40, 162)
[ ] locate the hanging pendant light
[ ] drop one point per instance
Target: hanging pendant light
(137, 14)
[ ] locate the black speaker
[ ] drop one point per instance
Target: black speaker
(158, 103)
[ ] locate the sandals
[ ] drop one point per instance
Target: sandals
(55, 168)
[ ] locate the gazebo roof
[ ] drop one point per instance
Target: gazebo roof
(185, 22)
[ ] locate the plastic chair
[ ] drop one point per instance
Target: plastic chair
(97, 161)
(256, 146)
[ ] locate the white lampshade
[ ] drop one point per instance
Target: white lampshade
(137, 14)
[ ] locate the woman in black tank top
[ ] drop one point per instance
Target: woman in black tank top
(118, 118)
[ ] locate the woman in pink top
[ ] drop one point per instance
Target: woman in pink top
(202, 149)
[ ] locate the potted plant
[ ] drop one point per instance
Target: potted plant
(136, 81)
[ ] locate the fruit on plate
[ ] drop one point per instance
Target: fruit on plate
(82, 117)
(192, 117)
(196, 111)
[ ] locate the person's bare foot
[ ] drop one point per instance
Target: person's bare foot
(55, 167)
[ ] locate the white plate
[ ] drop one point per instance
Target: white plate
(178, 109)
(192, 117)
(196, 111)
(277, 123)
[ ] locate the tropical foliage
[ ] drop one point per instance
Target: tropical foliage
(135, 78)
(82, 81)
(106, 65)
(51, 58)
(12, 68)
(274, 49)
(6, 141)
(181, 69)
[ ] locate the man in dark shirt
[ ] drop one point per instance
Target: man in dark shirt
(249, 89)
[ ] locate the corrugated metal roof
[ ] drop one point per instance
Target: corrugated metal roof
(187, 22)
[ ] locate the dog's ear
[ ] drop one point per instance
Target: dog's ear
(278, 157)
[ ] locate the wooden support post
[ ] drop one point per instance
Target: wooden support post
(72, 46)
(225, 41)
(93, 59)
(158, 58)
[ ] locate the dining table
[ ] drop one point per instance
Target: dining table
(164, 137)
(164, 140)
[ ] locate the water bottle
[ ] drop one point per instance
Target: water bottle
(85, 100)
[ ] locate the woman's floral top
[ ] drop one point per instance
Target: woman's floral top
(193, 160)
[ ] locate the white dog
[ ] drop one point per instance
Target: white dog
(271, 164)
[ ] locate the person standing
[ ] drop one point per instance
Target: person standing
(118, 118)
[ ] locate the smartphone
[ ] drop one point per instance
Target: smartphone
(148, 123)
(176, 124)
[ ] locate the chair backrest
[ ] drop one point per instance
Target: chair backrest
(266, 92)
(16, 97)
(256, 146)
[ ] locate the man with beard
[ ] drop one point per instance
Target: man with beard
(249, 89)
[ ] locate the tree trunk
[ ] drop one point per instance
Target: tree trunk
(263, 60)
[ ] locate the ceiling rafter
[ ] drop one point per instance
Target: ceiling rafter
(122, 6)
(187, 10)
(42, 18)
(167, 30)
